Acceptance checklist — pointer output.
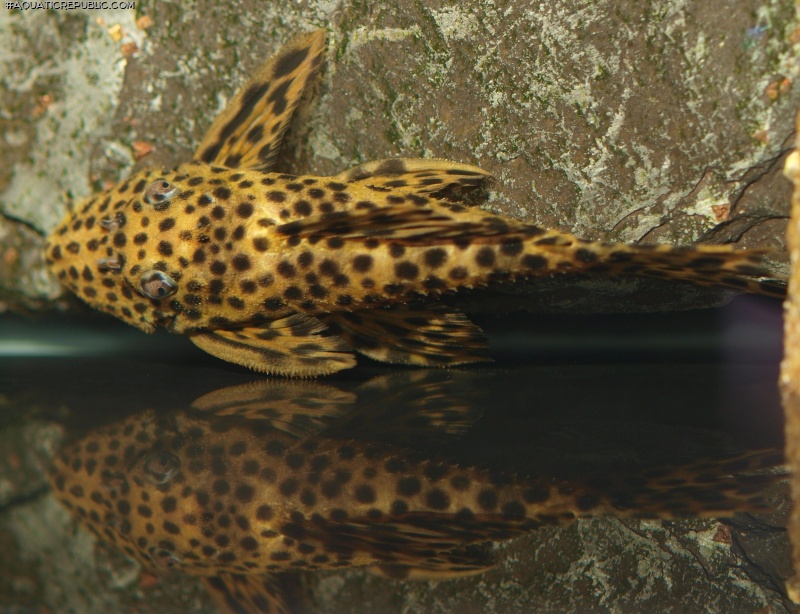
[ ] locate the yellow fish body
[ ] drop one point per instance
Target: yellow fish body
(289, 274)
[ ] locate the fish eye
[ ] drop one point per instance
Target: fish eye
(160, 467)
(157, 285)
(159, 191)
(165, 559)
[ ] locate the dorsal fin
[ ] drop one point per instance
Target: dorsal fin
(420, 175)
(406, 224)
(248, 133)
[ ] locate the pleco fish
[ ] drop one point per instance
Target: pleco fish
(237, 489)
(289, 274)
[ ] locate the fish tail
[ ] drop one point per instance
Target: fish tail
(547, 252)
(711, 265)
(709, 488)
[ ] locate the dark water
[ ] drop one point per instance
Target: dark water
(568, 395)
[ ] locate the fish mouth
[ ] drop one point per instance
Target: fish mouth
(169, 322)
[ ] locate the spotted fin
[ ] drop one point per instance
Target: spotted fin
(248, 133)
(245, 594)
(300, 409)
(416, 408)
(416, 174)
(407, 223)
(710, 265)
(413, 539)
(458, 563)
(409, 336)
(713, 487)
(297, 345)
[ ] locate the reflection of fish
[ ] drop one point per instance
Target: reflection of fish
(288, 274)
(233, 498)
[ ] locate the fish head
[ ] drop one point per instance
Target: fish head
(160, 249)
(114, 479)
(173, 491)
(93, 254)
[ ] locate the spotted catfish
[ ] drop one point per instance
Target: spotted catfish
(289, 274)
(232, 497)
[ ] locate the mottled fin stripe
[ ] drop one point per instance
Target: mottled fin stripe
(411, 408)
(299, 409)
(296, 345)
(239, 594)
(418, 175)
(414, 539)
(446, 566)
(405, 224)
(409, 336)
(709, 488)
(248, 133)
(710, 265)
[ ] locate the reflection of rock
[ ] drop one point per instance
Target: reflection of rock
(596, 565)
(628, 123)
(790, 368)
(654, 566)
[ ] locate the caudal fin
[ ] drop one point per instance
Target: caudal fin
(712, 265)
(709, 488)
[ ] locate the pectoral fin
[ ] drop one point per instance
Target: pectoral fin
(298, 345)
(240, 594)
(442, 544)
(300, 409)
(458, 563)
(416, 408)
(404, 335)
(248, 133)
(416, 174)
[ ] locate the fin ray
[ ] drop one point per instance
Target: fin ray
(415, 409)
(296, 345)
(407, 224)
(300, 409)
(241, 594)
(703, 264)
(249, 132)
(412, 336)
(419, 175)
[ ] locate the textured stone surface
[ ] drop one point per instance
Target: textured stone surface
(655, 121)
(790, 367)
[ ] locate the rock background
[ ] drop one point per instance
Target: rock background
(659, 121)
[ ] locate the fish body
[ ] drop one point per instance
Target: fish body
(178, 494)
(233, 499)
(289, 274)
